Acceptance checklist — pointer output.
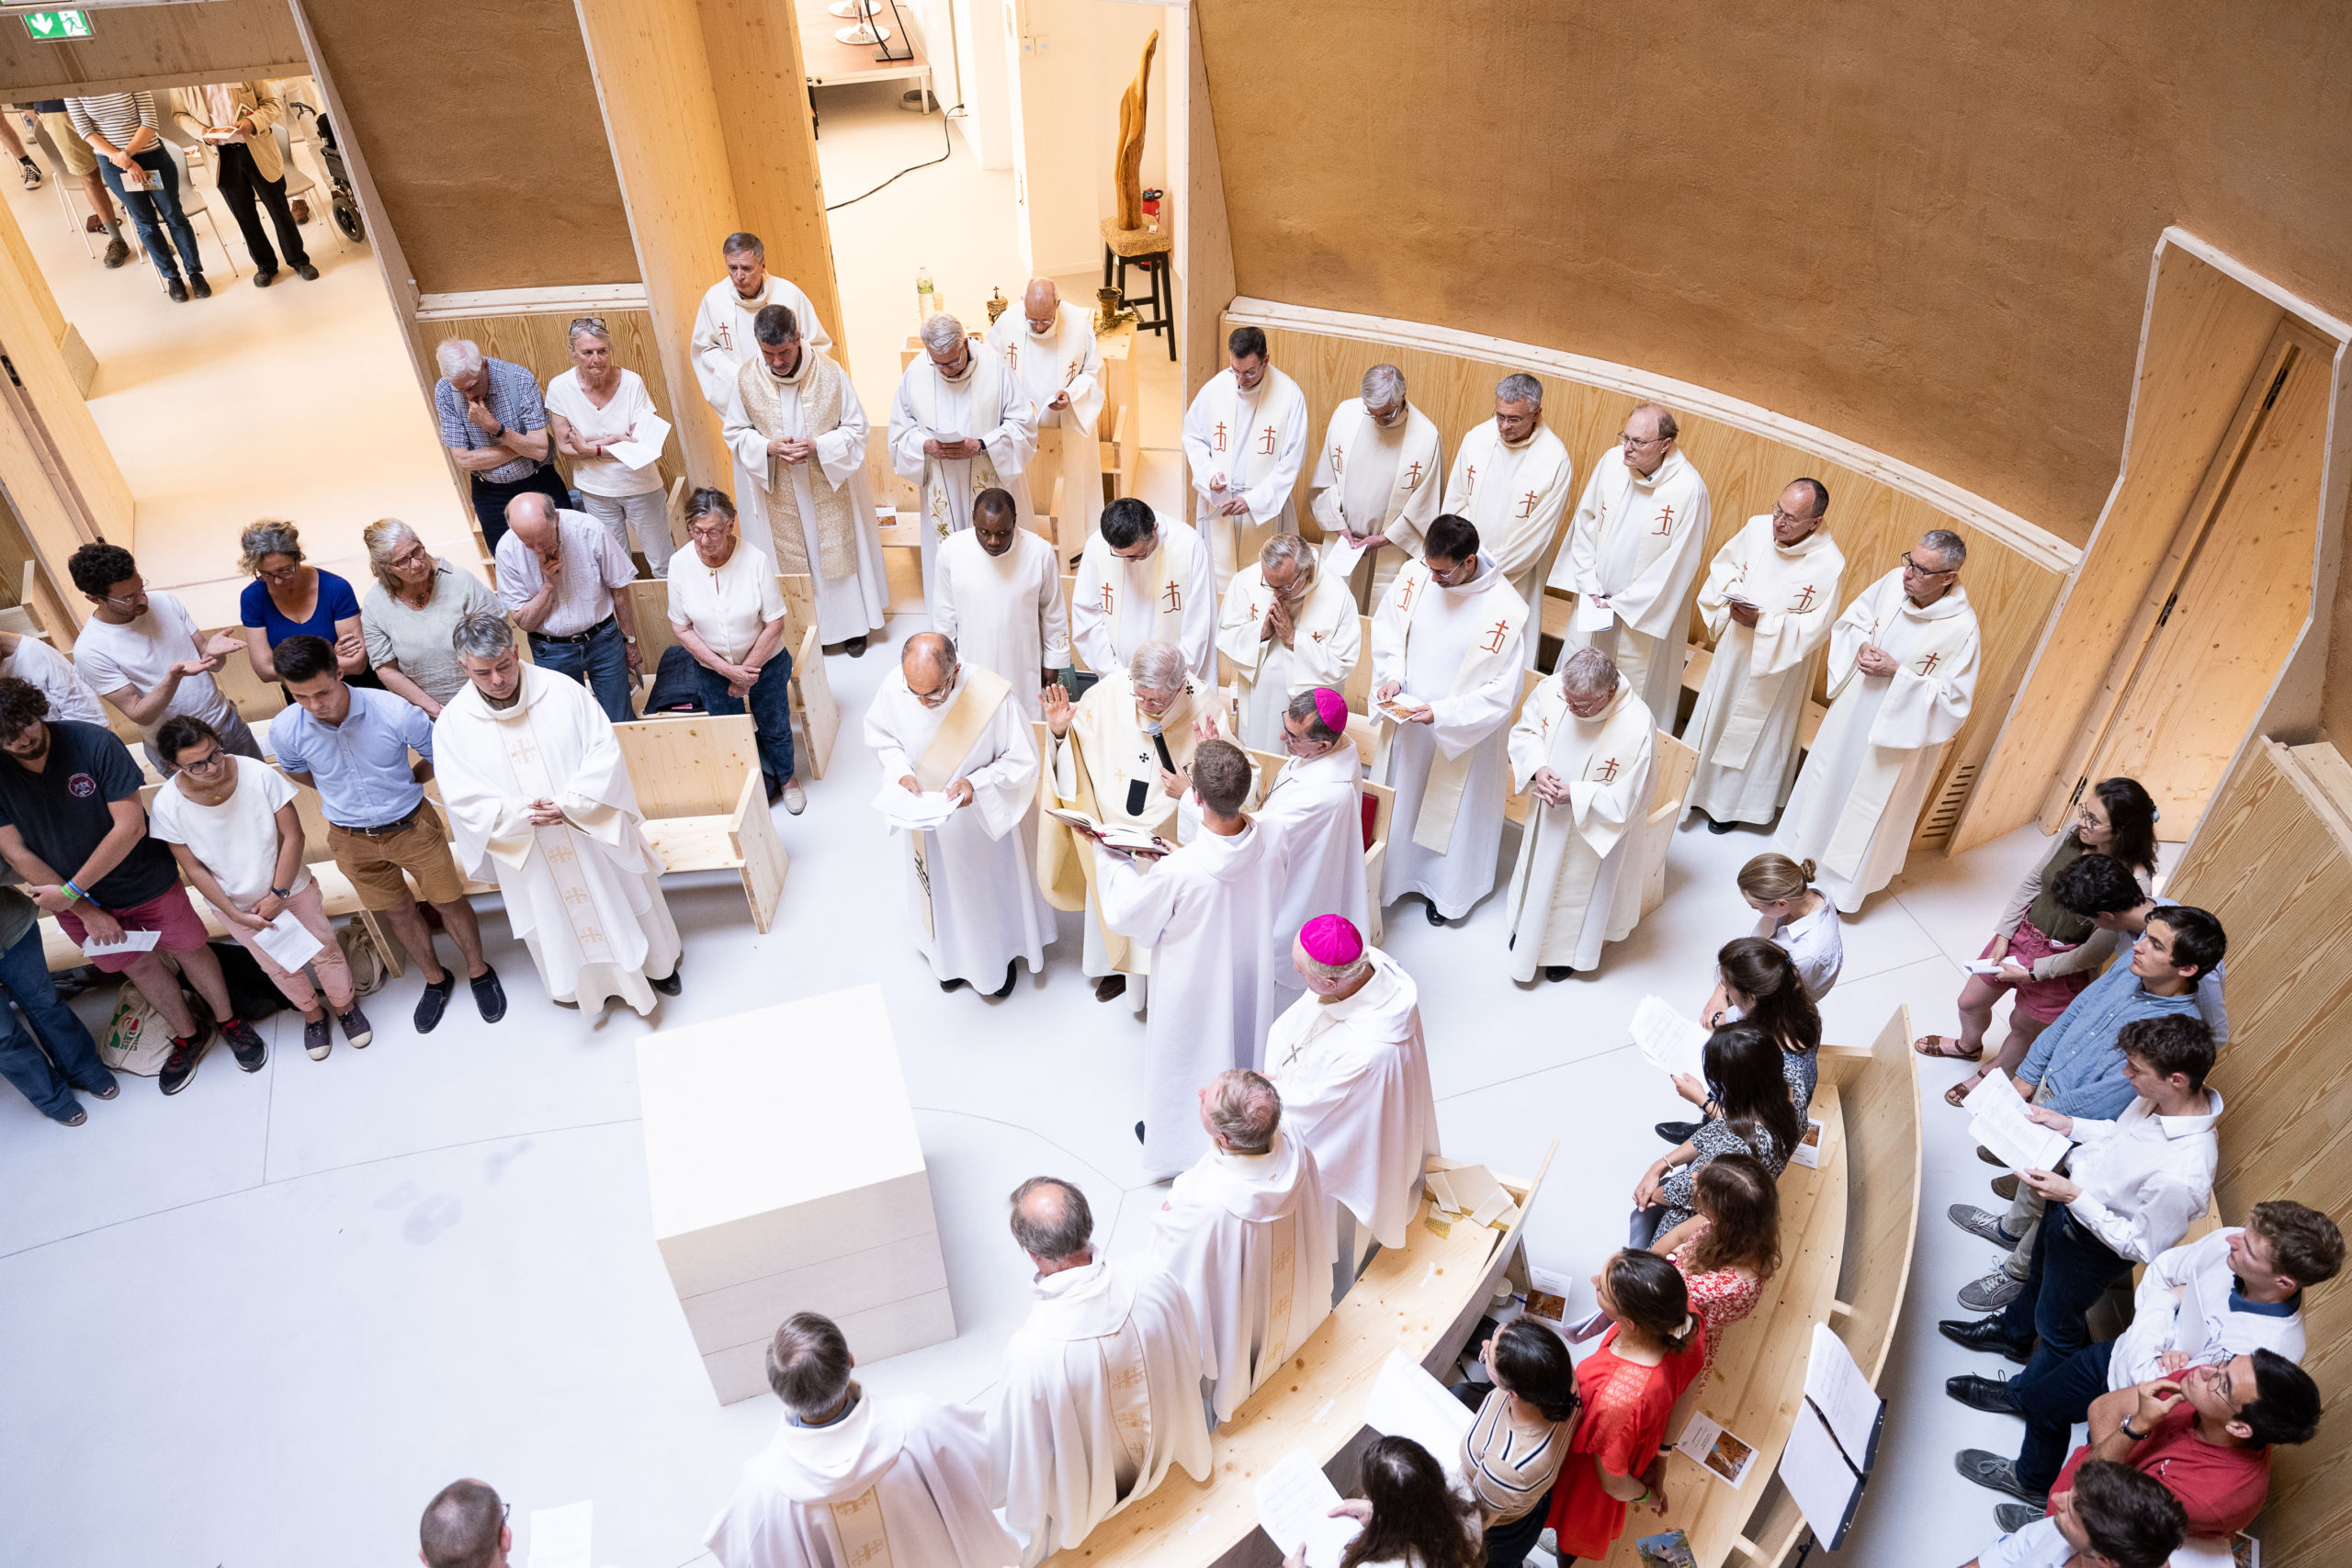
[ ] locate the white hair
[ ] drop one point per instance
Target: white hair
(940, 333)
(1949, 548)
(1289, 548)
(1383, 387)
(1588, 674)
(587, 326)
(456, 356)
(1519, 386)
(1158, 667)
(481, 633)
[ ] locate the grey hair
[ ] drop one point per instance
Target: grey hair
(941, 331)
(1383, 387)
(461, 1526)
(1519, 386)
(1588, 674)
(1949, 546)
(1666, 425)
(456, 356)
(1340, 973)
(269, 537)
(935, 646)
(741, 241)
(386, 537)
(481, 633)
(1245, 1109)
(1302, 708)
(809, 1364)
(587, 326)
(1291, 547)
(1067, 1227)
(1158, 667)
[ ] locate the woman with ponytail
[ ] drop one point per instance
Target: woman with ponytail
(1653, 1350)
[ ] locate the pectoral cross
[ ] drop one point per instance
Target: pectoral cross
(1470, 483)
(1405, 591)
(1217, 437)
(1804, 599)
(1012, 356)
(1412, 473)
(1268, 449)
(1609, 771)
(1106, 598)
(1664, 522)
(1527, 504)
(1494, 643)
(1175, 598)
(1927, 665)
(726, 337)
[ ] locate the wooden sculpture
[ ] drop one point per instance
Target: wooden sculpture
(1132, 104)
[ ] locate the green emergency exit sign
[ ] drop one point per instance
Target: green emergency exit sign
(55, 24)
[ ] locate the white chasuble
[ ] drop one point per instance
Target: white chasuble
(1354, 1077)
(1634, 550)
(1864, 784)
(1458, 651)
(850, 604)
(722, 343)
(1313, 813)
(1745, 726)
(984, 404)
(1005, 612)
(1116, 606)
(1326, 641)
(1249, 1240)
(1516, 496)
(585, 894)
(1578, 881)
(1064, 359)
(1206, 914)
(1099, 1400)
(972, 879)
(1255, 444)
(894, 1483)
(1374, 483)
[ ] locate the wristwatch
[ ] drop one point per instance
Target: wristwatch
(283, 892)
(626, 638)
(500, 434)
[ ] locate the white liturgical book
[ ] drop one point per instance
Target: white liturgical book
(1294, 1504)
(1407, 1402)
(1119, 841)
(1593, 614)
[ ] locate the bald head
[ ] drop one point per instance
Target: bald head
(1052, 1223)
(532, 515)
(1041, 303)
(464, 1526)
(928, 654)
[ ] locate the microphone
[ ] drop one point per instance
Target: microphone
(1159, 742)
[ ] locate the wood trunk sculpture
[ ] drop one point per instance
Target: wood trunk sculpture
(1132, 104)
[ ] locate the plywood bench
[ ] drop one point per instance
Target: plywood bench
(706, 804)
(814, 713)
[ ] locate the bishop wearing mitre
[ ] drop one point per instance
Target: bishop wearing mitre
(1633, 552)
(1376, 483)
(1049, 347)
(1101, 1394)
(1582, 747)
(540, 803)
(1770, 597)
(1313, 813)
(1246, 1234)
(1352, 1068)
(1446, 665)
(1143, 578)
(721, 345)
(998, 594)
(1287, 627)
(960, 424)
(798, 434)
(939, 727)
(852, 1480)
(1244, 440)
(1205, 912)
(1510, 478)
(1903, 662)
(1120, 756)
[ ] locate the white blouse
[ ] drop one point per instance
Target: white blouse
(630, 404)
(1817, 945)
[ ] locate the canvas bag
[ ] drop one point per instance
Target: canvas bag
(137, 1039)
(359, 953)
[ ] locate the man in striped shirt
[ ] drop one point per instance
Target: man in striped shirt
(121, 130)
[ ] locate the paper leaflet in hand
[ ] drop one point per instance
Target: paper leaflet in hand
(915, 812)
(1997, 1120)
(130, 942)
(1340, 555)
(1716, 1451)
(1671, 1043)
(1983, 966)
(287, 941)
(559, 1537)
(1118, 840)
(1294, 1504)
(1547, 1296)
(1407, 1402)
(1593, 614)
(643, 448)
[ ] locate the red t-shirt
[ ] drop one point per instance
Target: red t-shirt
(1625, 1407)
(2219, 1488)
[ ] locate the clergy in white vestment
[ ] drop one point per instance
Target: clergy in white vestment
(1770, 597)
(1246, 1234)
(1633, 552)
(998, 591)
(1582, 748)
(1313, 813)
(798, 434)
(1511, 478)
(1352, 1068)
(1376, 484)
(1049, 347)
(1120, 755)
(849, 1480)
(1903, 662)
(938, 727)
(1142, 580)
(1101, 1393)
(540, 803)
(1244, 440)
(1446, 675)
(1287, 627)
(722, 340)
(1207, 913)
(960, 424)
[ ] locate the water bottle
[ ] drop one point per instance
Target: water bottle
(926, 297)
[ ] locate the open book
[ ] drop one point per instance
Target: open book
(1118, 840)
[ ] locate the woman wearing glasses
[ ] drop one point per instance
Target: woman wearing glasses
(416, 605)
(596, 409)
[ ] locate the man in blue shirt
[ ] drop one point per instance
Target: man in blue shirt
(352, 746)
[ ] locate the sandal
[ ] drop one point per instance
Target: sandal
(1933, 1045)
(1959, 1091)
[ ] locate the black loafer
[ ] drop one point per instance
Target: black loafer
(855, 647)
(1011, 974)
(433, 1001)
(1984, 1334)
(1138, 1132)
(1110, 986)
(1992, 1395)
(1677, 1132)
(1430, 910)
(264, 279)
(1557, 972)
(1719, 827)
(951, 985)
(307, 272)
(489, 997)
(669, 985)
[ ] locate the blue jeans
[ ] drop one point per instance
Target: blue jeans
(2070, 1270)
(770, 708)
(47, 1077)
(155, 206)
(602, 661)
(2050, 1404)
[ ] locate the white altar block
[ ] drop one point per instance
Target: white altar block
(784, 1174)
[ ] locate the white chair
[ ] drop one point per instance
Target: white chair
(193, 149)
(59, 181)
(299, 183)
(196, 201)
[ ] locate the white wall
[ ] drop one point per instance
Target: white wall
(1072, 59)
(963, 39)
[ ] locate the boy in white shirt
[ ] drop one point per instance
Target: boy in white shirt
(2112, 1516)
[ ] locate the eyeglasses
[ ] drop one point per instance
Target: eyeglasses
(932, 699)
(1916, 569)
(1779, 517)
(1630, 439)
(710, 530)
(206, 764)
(1455, 575)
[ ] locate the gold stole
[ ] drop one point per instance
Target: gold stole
(1940, 642)
(923, 392)
(1744, 723)
(865, 1539)
(1058, 844)
(1282, 1236)
(820, 410)
(1441, 796)
(1125, 1377)
(984, 692)
(558, 845)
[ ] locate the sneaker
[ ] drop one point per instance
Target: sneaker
(32, 182)
(489, 997)
(197, 287)
(1989, 1157)
(177, 291)
(2014, 1517)
(795, 800)
(318, 1037)
(434, 1001)
(356, 1030)
(306, 272)
(2005, 1187)
(264, 279)
(180, 1066)
(245, 1045)
(1998, 1473)
(1980, 1224)
(117, 250)
(1992, 1292)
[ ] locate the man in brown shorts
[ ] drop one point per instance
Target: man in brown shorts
(352, 745)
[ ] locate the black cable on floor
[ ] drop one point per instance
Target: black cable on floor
(946, 150)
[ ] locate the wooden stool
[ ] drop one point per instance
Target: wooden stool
(1153, 253)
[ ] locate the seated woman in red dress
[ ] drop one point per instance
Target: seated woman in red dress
(1654, 1349)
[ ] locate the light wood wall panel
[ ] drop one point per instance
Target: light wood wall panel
(1873, 522)
(1205, 282)
(145, 46)
(2273, 860)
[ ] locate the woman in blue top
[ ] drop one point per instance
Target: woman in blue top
(287, 597)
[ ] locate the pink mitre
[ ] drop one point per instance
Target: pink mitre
(1332, 709)
(1332, 939)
